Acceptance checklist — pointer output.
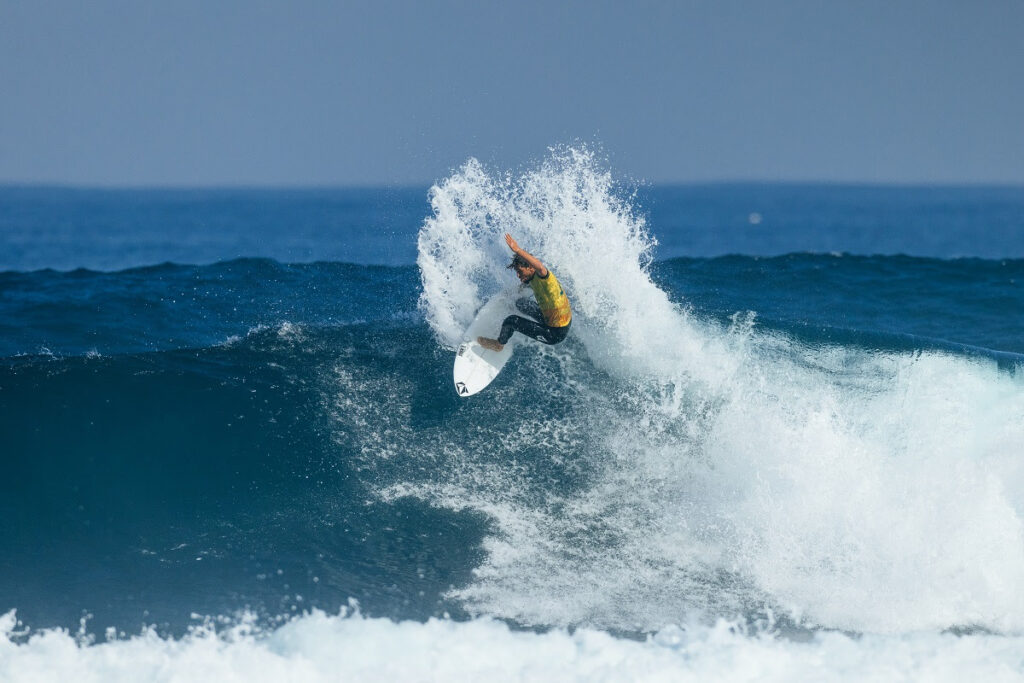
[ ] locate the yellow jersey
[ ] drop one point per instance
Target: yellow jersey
(554, 304)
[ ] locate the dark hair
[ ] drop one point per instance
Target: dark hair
(518, 260)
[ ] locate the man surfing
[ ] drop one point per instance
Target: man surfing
(552, 304)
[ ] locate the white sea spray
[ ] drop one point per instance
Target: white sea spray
(729, 469)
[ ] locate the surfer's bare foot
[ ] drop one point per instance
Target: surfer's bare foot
(492, 344)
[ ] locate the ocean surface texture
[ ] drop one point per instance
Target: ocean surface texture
(783, 441)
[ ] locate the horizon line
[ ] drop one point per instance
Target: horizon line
(411, 185)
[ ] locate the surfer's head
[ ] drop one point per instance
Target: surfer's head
(523, 268)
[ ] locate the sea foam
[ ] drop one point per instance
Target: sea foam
(720, 468)
(321, 647)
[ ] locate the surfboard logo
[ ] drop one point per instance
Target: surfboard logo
(461, 388)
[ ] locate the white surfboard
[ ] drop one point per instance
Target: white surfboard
(475, 366)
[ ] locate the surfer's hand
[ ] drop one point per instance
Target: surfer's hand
(512, 244)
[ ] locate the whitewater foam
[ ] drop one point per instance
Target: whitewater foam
(727, 469)
(321, 647)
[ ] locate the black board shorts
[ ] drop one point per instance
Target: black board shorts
(530, 327)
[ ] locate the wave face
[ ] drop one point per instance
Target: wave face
(728, 455)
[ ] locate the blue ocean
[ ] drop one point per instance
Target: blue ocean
(783, 441)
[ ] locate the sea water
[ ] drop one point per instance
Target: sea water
(783, 441)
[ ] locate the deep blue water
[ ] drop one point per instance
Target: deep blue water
(64, 229)
(206, 395)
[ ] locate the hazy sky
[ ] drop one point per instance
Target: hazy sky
(336, 93)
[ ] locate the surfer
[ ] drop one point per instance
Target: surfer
(552, 306)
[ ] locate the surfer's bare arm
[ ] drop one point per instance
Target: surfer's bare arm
(530, 258)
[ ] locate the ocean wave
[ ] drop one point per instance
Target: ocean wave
(174, 307)
(708, 465)
(734, 438)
